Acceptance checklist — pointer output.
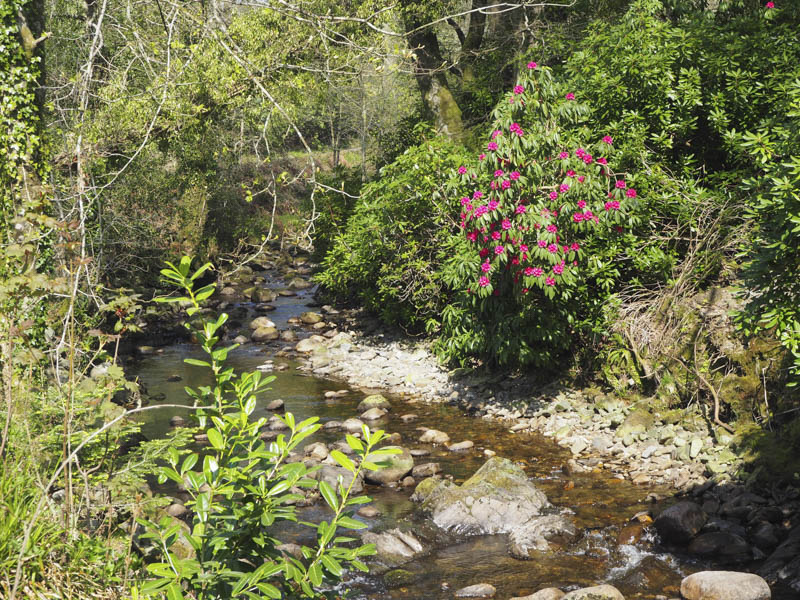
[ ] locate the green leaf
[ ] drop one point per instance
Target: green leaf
(350, 523)
(196, 362)
(340, 458)
(215, 439)
(329, 495)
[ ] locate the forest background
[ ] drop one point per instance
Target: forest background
(139, 132)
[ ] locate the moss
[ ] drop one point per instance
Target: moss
(399, 577)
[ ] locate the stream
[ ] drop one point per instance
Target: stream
(602, 505)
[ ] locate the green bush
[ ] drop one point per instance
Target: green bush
(241, 486)
(389, 255)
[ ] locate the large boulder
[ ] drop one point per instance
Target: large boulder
(374, 401)
(396, 466)
(638, 421)
(722, 546)
(784, 562)
(681, 522)
(598, 592)
(298, 283)
(263, 295)
(724, 585)
(393, 547)
(498, 498)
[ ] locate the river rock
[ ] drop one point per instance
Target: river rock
(259, 322)
(680, 523)
(783, 564)
(353, 425)
(275, 405)
(479, 590)
(534, 535)
(461, 446)
(598, 592)
(407, 418)
(298, 283)
(331, 475)
(177, 421)
(368, 512)
(425, 470)
(498, 498)
(264, 334)
(265, 307)
(310, 344)
(393, 547)
(724, 585)
(765, 536)
(373, 414)
(639, 421)
(434, 436)
(277, 424)
(396, 466)
(374, 401)
(176, 510)
(262, 295)
(545, 594)
(240, 339)
(720, 545)
(317, 451)
(288, 335)
(310, 318)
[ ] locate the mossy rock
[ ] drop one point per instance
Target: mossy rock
(399, 577)
(638, 421)
(374, 401)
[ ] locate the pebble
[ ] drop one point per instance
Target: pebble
(461, 446)
(479, 590)
(369, 512)
(276, 404)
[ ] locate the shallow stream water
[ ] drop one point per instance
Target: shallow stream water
(602, 505)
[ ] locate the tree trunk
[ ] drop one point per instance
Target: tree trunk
(429, 71)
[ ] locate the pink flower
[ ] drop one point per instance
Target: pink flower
(570, 96)
(537, 272)
(564, 188)
(495, 235)
(486, 267)
(493, 185)
(580, 152)
(506, 224)
(542, 243)
(498, 173)
(570, 173)
(621, 185)
(472, 236)
(523, 248)
(483, 253)
(770, 5)
(520, 209)
(515, 261)
(518, 89)
(581, 178)
(587, 158)
(563, 155)
(552, 248)
(514, 175)
(550, 281)
(497, 133)
(529, 271)
(588, 215)
(575, 246)
(532, 65)
(483, 281)
(608, 139)
(464, 201)
(493, 204)
(552, 228)
(462, 170)
(499, 249)
(558, 269)
(630, 193)
(581, 204)
(506, 184)
(477, 194)
(481, 156)
(553, 195)
(602, 161)
(491, 146)
(577, 217)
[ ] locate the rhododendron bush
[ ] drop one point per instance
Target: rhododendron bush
(534, 204)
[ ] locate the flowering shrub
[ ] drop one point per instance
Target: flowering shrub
(531, 204)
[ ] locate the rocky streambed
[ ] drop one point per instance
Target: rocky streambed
(566, 513)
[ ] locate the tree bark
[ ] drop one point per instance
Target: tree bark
(429, 71)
